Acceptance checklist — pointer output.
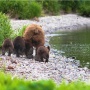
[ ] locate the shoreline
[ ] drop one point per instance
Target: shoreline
(52, 24)
(59, 67)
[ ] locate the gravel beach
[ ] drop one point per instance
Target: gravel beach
(59, 67)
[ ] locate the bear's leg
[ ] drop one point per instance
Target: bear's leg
(17, 53)
(36, 52)
(22, 51)
(46, 60)
(9, 51)
(37, 58)
(28, 50)
(41, 59)
(3, 51)
(29, 53)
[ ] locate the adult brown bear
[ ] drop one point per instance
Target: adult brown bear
(7, 46)
(34, 36)
(42, 53)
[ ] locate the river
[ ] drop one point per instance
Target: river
(73, 44)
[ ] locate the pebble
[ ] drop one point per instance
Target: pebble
(59, 67)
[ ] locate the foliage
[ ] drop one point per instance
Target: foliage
(3, 6)
(33, 9)
(5, 28)
(74, 86)
(85, 9)
(18, 32)
(21, 31)
(9, 83)
(26, 9)
(51, 6)
(70, 5)
(20, 9)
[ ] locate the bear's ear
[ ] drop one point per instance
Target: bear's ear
(48, 48)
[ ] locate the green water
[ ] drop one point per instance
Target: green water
(76, 43)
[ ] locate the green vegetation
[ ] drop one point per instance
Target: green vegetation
(21, 31)
(27, 9)
(85, 9)
(18, 32)
(52, 7)
(8, 83)
(20, 9)
(70, 5)
(5, 28)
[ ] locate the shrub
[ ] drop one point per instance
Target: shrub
(3, 6)
(21, 31)
(84, 9)
(20, 9)
(31, 9)
(66, 6)
(18, 32)
(9, 83)
(69, 5)
(15, 7)
(77, 85)
(51, 6)
(5, 28)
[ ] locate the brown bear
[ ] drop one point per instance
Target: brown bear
(42, 53)
(19, 46)
(34, 36)
(7, 46)
(28, 50)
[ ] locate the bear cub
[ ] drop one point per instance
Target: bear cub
(19, 46)
(7, 46)
(42, 53)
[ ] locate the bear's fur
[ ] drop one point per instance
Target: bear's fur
(34, 35)
(19, 46)
(28, 50)
(22, 47)
(42, 53)
(7, 46)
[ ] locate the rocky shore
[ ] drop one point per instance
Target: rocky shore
(59, 67)
(52, 24)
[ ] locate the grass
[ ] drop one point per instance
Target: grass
(9, 83)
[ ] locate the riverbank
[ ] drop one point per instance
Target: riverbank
(59, 67)
(52, 24)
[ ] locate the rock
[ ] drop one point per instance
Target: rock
(59, 67)
(10, 67)
(13, 61)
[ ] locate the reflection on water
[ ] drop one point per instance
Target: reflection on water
(76, 43)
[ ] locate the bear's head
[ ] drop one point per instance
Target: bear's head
(46, 52)
(43, 53)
